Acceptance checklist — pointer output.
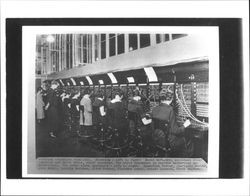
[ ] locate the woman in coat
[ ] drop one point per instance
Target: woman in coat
(86, 113)
(39, 105)
(135, 111)
(118, 115)
(166, 130)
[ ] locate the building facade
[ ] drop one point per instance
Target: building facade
(60, 54)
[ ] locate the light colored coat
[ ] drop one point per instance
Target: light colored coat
(39, 106)
(86, 103)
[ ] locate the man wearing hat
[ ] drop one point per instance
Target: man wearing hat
(172, 134)
(52, 109)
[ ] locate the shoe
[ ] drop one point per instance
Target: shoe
(52, 135)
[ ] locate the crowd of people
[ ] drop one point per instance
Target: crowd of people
(84, 113)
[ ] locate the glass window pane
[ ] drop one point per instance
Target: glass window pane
(96, 46)
(89, 48)
(176, 36)
(120, 43)
(69, 51)
(158, 38)
(84, 45)
(144, 40)
(111, 44)
(103, 46)
(166, 37)
(133, 42)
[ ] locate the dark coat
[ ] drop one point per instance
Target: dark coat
(52, 112)
(97, 118)
(118, 113)
(165, 112)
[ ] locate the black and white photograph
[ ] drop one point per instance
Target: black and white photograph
(121, 113)
(124, 97)
(123, 101)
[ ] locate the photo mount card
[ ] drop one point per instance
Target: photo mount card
(42, 154)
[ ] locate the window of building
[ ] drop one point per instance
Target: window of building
(144, 40)
(166, 37)
(112, 44)
(78, 49)
(176, 36)
(120, 40)
(158, 38)
(84, 46)
(133, 45)
(96, 47)
(89, 48)
(69, 51)
(103, 46)
(162, 38)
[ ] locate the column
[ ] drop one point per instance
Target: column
(87, 48)
(74, 50)
(81, 50)
(93, 48)
(162, 38)
(152, 39)
(170, 37)
(59, 53)
(42, 65)
(49, 60)
(64, 51)
(126, 43)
